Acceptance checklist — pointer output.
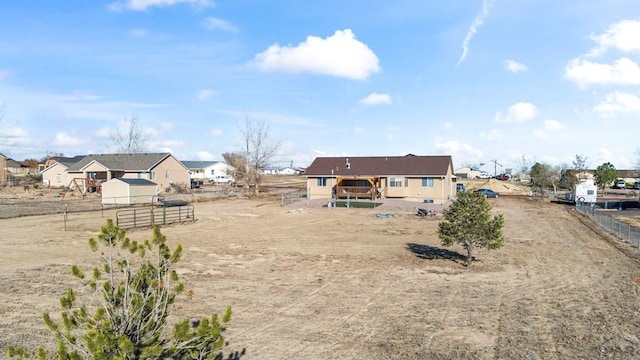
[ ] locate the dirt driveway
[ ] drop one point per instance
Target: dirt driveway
(318, 283)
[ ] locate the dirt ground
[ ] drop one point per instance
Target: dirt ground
(314, 283)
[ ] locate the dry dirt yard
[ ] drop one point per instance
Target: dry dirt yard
(317, 283)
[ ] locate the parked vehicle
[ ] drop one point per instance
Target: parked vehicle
(222, 179)
(585, 192)
(487, 193)
(620, 184)
(503, 177)
(483, 175)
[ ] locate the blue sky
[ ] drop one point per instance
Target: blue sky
(482, 81)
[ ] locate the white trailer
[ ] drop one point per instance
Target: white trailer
(585, 191)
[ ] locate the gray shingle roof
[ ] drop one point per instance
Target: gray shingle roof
(195, 164)
(137, 182)
(408, 165)
(122, 162)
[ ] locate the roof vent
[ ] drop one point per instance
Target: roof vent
(347, 163)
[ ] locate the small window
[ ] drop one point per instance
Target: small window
(321, 181)
(59, 178)
(152, 175)
(167, 175)
(395, 182)
(427, 182)
(590, 192)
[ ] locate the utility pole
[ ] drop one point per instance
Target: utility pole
(495, 166)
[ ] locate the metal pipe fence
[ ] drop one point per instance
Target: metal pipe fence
(616, 226)
(150, 216)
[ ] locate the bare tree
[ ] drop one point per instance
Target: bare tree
(259, 150)
(580, 165)
(129, 137)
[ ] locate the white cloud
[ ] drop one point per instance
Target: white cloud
(142, 5)
(166, 125)
(219, 24)
(376, 99)
(473, 29)
(172, 143)
(216, 132)
(64, 139)
(549, 126)
(514, 66)
(205, 156)
(622, 35)
(491, 135)
(14, 136)
(448, 125)
(104, 132)
(553, 125)
(624, 71)
(339, 55)
(518, 113)
(206, 94)
(618, 102)
(459, 150)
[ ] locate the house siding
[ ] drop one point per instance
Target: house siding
(171, 171)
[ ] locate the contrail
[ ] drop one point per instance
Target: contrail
(473, 29)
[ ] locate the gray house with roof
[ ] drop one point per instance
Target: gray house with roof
(427, 179)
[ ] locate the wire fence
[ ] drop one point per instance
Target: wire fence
(614, 225)
(30, 207)
(292, 197)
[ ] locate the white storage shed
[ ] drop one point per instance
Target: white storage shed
(123, 191)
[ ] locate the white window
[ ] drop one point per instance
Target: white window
(321, 181)
(395, 182)
(59, 178)
(167, 175)
(427, 182)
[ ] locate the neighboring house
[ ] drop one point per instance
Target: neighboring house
(288, 171)
(629, 176)
(55, 172)
(3, 169)
(129, 191)
(17, 168)
(161, 168)
(427, 179)
(208, 170)
(467, 172)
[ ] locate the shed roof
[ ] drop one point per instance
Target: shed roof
(136, 182)
(408, 165)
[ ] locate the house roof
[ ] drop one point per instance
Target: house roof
(68, 161)
(191, 164)
(122, 162)
(407, 165)
(136, 182)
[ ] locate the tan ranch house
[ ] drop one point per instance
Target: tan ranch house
(161, 168)
(427, 179)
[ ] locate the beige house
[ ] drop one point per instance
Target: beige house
(3, 169)
(426, 179)
(128, 191)
(91, 170)
(55, 172)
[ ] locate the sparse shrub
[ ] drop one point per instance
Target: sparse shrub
(136, 289)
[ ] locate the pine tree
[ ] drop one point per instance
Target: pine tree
(137, 289)
(468, 222)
